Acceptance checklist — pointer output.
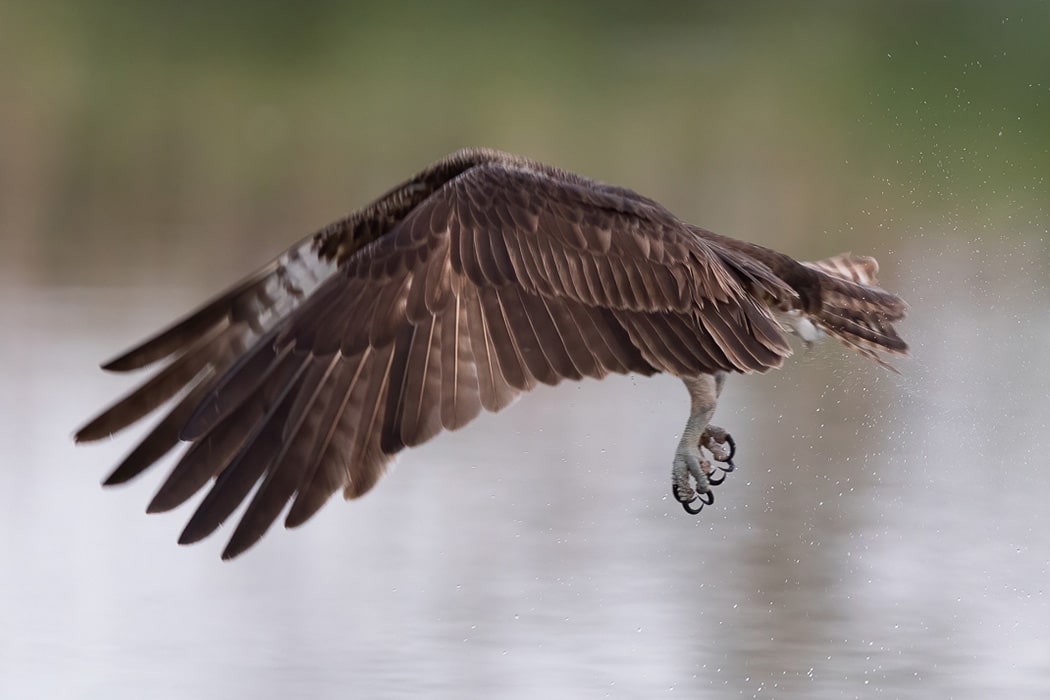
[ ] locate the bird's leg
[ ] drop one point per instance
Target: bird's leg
(691, 473)
(719, 442)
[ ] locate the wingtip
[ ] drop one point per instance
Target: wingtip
(244, 537)
(156, 505)
(232, 552)
(295, 517)
(113, 479)
(114, 365)
(128, 361)
(227, 554)
(90, 433)
(192, 534)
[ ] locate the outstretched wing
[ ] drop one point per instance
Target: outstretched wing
(507, 275)
(200, 348)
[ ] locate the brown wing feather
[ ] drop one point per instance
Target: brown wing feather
(181, 372)
(251, 462)
(286, 473)
(460, 387)
(161, 440)
(323, 472)
(365, 458)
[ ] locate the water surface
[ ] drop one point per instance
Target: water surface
(884, 535)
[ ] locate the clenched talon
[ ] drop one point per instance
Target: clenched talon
(732, 453)
(705, 499)
(691, 510)
(722, 447)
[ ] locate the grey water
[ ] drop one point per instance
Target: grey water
(883, 536)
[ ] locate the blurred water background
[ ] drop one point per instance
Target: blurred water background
(885, 536)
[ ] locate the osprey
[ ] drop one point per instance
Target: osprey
(470, 283)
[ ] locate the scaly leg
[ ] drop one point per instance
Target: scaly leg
(699, 433)
(719, 442)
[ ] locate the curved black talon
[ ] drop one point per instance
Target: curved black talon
(687, 505)
(711, 479)
(732, 451)
(689, 509)
(705, 499)
(726, 465)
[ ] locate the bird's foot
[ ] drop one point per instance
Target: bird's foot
(722, 448)
(689, 480)
(693, 476)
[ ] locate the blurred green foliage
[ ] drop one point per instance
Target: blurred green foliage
(157, 124)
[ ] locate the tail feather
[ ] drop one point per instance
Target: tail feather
(859, 269)
(855, 310)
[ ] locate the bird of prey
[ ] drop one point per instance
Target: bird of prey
(470, 283)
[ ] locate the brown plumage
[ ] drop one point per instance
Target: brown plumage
(472, 282)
